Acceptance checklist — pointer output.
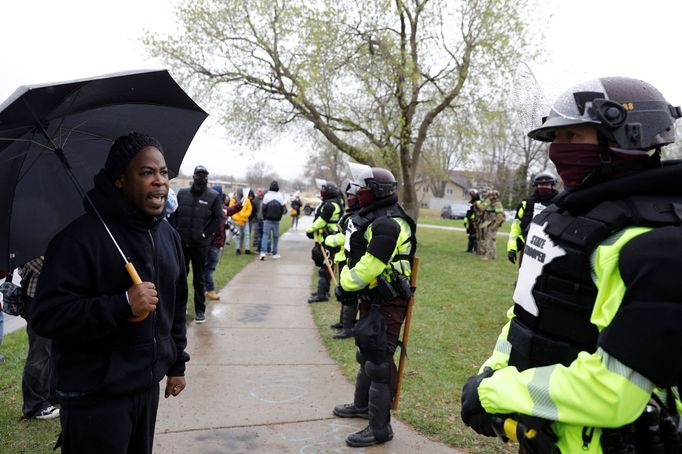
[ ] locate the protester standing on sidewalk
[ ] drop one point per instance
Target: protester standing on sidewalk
(197, 219)
(382, 245)
(256, 219)
(241, 218)
(36, 379)
(107, 369)
(273, 209)
(296, 206)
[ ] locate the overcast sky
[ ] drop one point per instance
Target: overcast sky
(48, 41)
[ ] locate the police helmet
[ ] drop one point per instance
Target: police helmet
(629, 112)
(494, 193)
(544, 177)
(381, 181)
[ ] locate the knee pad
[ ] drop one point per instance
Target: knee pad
(378, 372)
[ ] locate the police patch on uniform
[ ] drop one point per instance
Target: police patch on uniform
(538, 252)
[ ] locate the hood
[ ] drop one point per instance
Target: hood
(111, 204)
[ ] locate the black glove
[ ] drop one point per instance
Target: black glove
(473, 414)
(345, 297)
(511, 255)
(310, 235)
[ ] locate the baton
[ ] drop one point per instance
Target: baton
(406, 334)
(326, 259)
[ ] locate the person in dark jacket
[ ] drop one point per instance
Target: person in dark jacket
(197, 219)
(107, 368)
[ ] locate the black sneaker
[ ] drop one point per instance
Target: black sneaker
(351, 411)
(337, 325)
(247, 252)
(238, 252)
(343, 335)
(49, 412)
(365, 437)
(199, 318)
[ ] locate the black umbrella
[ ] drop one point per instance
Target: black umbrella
(55, 137)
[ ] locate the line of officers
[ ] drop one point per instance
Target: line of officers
(589, 358)
(372, 241)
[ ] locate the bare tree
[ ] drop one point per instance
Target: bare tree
(370, 76)
(329, 164)
(260, 174)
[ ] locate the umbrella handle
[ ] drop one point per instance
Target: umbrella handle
(130, 268)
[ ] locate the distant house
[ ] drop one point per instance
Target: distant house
(455, 191)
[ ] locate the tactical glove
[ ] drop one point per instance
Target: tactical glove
(473, 414)
(511, 256)
(345, 297)
(310, 235)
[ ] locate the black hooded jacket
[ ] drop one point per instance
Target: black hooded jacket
(81, 300)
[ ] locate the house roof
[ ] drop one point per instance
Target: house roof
(457, 177)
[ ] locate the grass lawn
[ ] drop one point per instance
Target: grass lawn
(460, 306)
(33, 436)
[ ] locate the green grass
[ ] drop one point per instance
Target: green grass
(460, 306)
(33, 436)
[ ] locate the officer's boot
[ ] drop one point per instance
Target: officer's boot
(339, 324)
(379, 429)
(322, 287)
(358, 409)
(348, 314)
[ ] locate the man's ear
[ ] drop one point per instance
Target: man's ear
(119, 182)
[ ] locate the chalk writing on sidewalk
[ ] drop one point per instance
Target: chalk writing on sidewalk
(332, 440)
(278, 390)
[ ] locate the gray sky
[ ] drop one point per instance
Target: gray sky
(49, 41)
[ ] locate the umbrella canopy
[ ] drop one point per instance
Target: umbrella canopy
(81, 118)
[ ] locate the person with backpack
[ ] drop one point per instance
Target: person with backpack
(273, 209)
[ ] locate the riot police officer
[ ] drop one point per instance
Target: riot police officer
(544, 183)
(326, 216)
(598, 303)
(491, 216)
(336, 242)
(470, 220)
(382, 244)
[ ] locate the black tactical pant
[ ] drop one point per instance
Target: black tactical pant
(377, 379)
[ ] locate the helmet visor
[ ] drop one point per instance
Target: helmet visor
(360, 173)
(570, 108)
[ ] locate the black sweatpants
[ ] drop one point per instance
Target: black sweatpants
(196, 255)
(109, 424)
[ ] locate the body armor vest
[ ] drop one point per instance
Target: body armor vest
(555, 292)
(359, 223)
(193, 215)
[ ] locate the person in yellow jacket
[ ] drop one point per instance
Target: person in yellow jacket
(544, 183)
(336, 242)
(326, 217)
(381, 243)
(241, 219)
(595, 327)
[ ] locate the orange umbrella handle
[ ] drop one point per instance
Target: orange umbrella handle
(130, 268)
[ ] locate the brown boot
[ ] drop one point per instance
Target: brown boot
(212, 295)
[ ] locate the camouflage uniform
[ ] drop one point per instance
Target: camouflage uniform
(493, 217)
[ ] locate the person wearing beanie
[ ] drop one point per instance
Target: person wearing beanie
(273, 209)
(105, 372)
(197, 219)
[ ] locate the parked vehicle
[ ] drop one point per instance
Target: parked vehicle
(454, 211)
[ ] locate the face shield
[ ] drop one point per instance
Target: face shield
(360, 173)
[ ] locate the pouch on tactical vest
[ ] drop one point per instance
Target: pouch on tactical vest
(370, 333)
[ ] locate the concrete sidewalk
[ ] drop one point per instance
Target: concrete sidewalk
(260, 379)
